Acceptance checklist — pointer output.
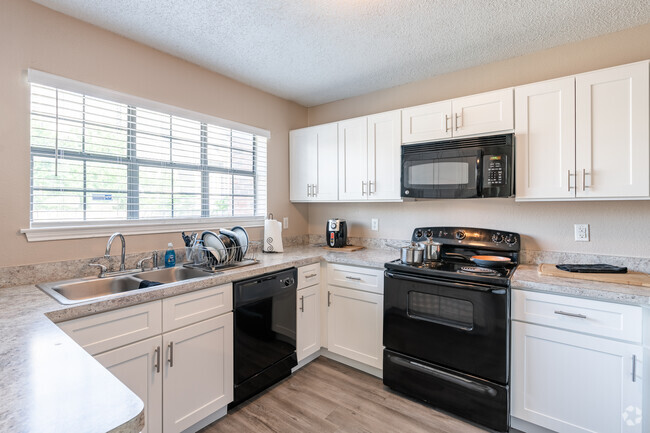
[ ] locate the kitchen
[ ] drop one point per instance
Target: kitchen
(42, 39)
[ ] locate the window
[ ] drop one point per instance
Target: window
(97, 160)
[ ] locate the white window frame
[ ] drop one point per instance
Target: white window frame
(45, 231)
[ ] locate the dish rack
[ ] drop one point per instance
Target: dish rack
(212, 260)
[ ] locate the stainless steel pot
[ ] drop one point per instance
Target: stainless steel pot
(412, 254)
(431, 250)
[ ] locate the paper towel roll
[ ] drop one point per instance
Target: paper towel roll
(272, 236)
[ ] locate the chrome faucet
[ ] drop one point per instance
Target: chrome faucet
(107, 254)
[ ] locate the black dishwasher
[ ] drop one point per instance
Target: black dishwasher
(265, 332)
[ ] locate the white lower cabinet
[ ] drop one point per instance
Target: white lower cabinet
(354, 324)
(135, 366)
(308, 322)
(198, 372)
(572, 382)
(183, 375)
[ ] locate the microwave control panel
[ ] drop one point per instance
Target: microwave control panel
(495, 170)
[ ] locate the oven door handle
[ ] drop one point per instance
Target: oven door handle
(480, 287)
(447, 377)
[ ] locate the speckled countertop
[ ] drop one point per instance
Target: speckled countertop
(526, 277)
(50, 384)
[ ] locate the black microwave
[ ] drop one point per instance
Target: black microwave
(461, 168)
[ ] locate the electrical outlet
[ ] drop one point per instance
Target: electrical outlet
(374, 224)
(581, 232)
(285, 222)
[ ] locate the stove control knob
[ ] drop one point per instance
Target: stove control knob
(497, 238)
(511, 240)
(418, 234)
(460, 235)
(429, 233)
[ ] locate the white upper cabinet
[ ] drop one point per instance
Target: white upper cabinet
(426, 122)
(483, 113)
(584, 137)
(353, 159)
(545, 144)
(612, 140)
(369, 157)
(470, 115)
(313, 163)
(384, 156)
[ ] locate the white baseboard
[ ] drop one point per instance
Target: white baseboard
(352, 363)
(207, 420)
(526, 427)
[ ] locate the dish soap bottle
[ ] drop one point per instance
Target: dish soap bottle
(170, 256)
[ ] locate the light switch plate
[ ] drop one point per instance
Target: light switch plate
(285, 222)
(581, 232)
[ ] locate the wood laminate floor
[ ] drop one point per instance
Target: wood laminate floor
(326, 396)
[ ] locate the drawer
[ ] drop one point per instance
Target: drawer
(606, 319)
(308, 275)
(354, 277)
(183, 310)
(106, 331)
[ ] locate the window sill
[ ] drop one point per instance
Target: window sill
(60, 232)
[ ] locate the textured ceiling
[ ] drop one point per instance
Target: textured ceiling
(318, 51)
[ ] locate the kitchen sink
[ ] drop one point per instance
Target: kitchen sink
(171, 275)
(84, 289)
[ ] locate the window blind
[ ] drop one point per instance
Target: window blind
(98, 160)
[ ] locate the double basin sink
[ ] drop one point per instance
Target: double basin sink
(84, 289)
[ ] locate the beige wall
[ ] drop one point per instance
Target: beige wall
(617, 228)
(36, 37)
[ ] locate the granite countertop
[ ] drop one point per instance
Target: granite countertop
(50, 384)
(526, 277)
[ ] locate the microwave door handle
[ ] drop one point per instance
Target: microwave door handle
(479, 173)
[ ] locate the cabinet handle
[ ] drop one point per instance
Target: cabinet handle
(157, 363)
(446, 122)
(564, 313)
(310, 275)
(370, 191)
(363, 187)
(308, 190)
(171, 353)
(458, 116)
(314, 190)
(584, 181)
(353, 278)
(329, 298)
(633, 368)
(302, 304)
(568, 181)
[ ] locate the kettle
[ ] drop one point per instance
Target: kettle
(336, 233)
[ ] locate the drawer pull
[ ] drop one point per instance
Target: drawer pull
(310, 275)
(171, 354)
(302, 304)
(564, 313)
(329, 298)
(353, 278)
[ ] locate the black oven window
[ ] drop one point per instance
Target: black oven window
(457, 313)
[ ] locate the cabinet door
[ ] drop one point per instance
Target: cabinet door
(308, 322)
(572, 382)
(137, 367)
(384, 156)
(483, 113)
(303, 164)
(612, 140)
(354, 322)
(198, 372)
(327, 187)
(545, 140)
(426, 122)
(353, 159)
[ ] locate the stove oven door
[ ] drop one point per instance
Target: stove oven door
(458, 325)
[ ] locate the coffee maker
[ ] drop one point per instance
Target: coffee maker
(336, 233)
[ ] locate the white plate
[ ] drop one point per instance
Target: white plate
(242, 237)
(211, 240)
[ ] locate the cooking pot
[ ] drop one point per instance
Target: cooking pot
(431, 250)
(485, 261)
(412, 254)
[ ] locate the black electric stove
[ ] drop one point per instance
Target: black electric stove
(447, 325)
